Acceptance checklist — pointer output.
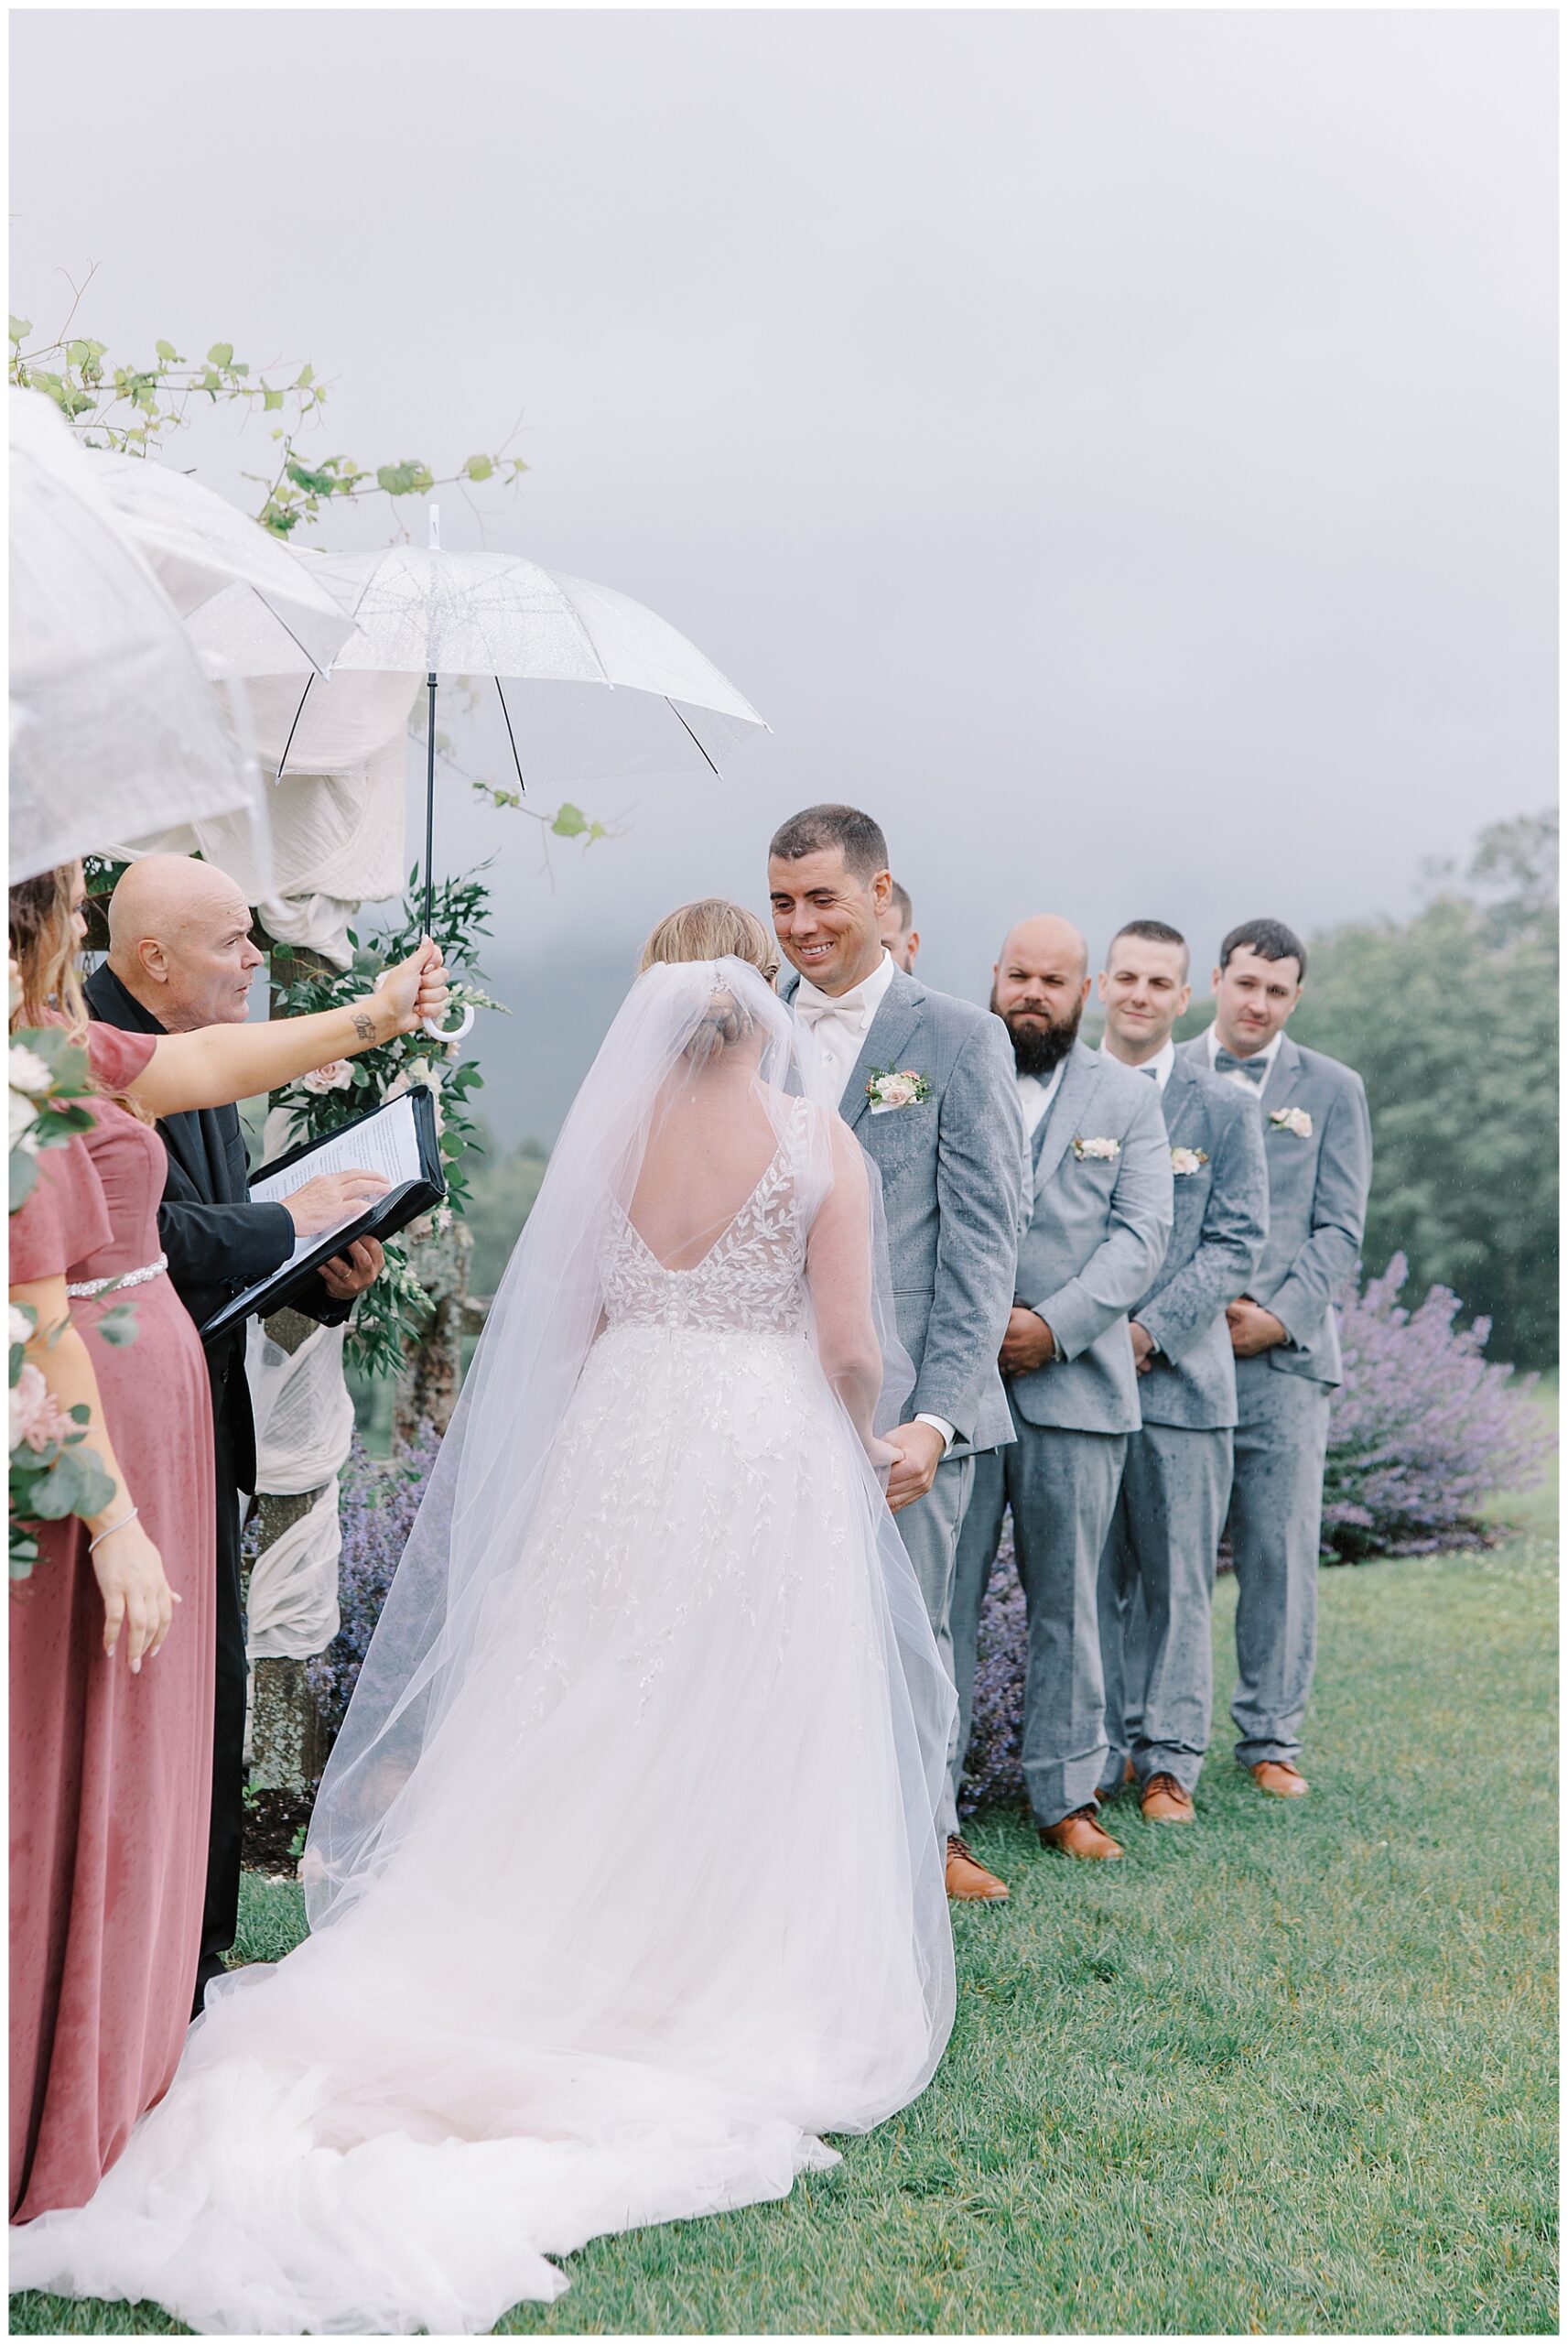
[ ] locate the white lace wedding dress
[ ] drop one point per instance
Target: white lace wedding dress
(667, 1904)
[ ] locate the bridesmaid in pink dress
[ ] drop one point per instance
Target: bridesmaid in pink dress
(110, 1771)
(110, 1753)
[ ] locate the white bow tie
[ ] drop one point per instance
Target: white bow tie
(812, 1006)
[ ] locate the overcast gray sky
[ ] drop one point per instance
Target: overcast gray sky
(1117, 449)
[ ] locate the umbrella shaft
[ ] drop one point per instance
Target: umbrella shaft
(430, 809)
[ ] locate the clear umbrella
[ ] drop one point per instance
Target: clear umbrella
(424, 612)
(116, 729)
(200, 547)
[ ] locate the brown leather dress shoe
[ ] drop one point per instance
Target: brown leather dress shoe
(969, 1881)
(1279, 1778)
(1164, 1800)
(1080, 1834)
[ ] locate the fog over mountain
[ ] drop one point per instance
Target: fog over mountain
(1118, 449)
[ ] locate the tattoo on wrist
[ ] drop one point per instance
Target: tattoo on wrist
(364, 1026)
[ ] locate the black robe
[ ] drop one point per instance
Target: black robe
(217, 1243)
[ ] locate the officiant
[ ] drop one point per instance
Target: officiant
(181, 957)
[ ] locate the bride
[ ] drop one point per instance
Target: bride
(624, 1882)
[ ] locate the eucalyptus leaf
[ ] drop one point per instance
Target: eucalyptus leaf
(23, 1172)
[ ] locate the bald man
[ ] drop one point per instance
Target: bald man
(1099, 1222)
(180, 956)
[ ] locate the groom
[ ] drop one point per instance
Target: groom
(952, 1163)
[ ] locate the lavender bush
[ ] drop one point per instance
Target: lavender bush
(1423, 1428)
(378, 1499)
(992, 1772)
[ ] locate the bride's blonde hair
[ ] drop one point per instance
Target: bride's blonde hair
(712, 929)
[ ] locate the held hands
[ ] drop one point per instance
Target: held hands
(137, 1596)
(1142, 1347)
(1028, 1343)
(1253, 1328)
(350, 1272)
(917, 1450)
(412, 990)
(329, 1200)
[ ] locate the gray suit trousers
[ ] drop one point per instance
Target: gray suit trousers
(1061, 1488)
(1156, 1596)
(1276, 1516)
(930, 1530)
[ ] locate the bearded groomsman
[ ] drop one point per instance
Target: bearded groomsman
(1098, 1225)
(1157, 1576)
(952, 1163)
(1317, 1139)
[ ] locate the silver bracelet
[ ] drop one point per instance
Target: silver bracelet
(93, 1544)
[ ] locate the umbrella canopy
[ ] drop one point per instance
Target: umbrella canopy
(116, 730)
(199, 547)
(425, 611)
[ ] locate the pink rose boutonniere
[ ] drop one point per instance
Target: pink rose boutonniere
(887, 1091)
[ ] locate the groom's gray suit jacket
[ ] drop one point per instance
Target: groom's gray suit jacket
(1095, 1238)
(1216, 1242)
(1318, 1182)
(953, 1180)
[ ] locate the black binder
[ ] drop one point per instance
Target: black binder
(394, 1210)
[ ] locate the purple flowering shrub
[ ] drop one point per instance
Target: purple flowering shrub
(992, 1771)
(1423, 1428)
(377, 1501)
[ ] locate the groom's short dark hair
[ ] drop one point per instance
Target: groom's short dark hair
(822, 828)
(1270, 939)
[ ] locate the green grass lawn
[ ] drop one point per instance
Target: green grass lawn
(1293, 2069)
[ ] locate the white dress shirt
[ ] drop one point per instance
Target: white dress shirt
(833, 1029)
(1159, 1066)
(1034, 1096)
(1268, 1054)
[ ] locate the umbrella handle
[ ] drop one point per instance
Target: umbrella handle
(447, 1034)
(444, 1034)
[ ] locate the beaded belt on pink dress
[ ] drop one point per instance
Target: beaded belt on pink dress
(132, 1277)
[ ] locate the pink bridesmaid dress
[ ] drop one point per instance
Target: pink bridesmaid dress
(111, 1773)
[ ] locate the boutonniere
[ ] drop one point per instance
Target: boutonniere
(1291, 1119)
(886, 1091)
(1097, 1150)
(1185, 1161)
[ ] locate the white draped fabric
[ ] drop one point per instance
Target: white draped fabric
(305, 1423)
(337, 817)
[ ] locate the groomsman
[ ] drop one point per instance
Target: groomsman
(952, 1167)
(1099, 1222)
(1317, 1139)
(1157, 1576)
(897, 929)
